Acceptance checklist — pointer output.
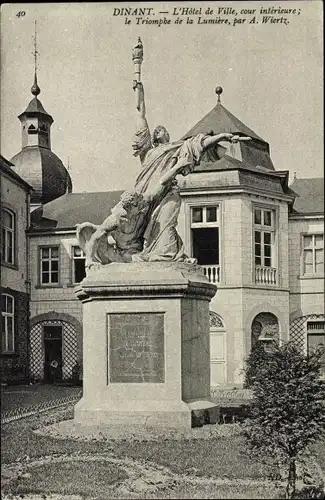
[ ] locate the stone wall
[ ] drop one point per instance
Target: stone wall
(14, 366)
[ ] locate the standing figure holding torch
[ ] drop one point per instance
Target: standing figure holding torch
(137, 58)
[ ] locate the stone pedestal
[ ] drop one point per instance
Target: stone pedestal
(146, 346)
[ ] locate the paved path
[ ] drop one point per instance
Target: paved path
(26, 396)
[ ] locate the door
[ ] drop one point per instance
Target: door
(316, 340)
(52, 353)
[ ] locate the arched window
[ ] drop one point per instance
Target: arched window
(215, 321)
(8, 223)
(8, 323)
(265, 329)
(218, 355)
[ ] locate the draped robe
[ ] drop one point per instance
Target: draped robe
(161, 239)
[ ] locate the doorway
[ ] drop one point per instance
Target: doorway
(52, 353)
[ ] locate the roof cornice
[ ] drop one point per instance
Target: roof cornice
(311, 215)
(235, 190)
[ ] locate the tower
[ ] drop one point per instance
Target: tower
(36, 163)
(36, 122)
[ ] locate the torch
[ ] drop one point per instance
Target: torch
(137, 58)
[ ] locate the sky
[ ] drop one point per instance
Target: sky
(271, 75)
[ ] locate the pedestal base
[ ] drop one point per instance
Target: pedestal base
(156, 414)
(146, 346)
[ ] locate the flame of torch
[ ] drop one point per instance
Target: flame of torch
(137, 58)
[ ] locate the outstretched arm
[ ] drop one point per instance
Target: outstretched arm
(214, 139)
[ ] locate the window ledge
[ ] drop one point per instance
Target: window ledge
(311, 277)
(10, 354)
(40, 287)
(10, 266)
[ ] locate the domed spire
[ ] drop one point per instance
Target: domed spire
(35, 90)
(219, 91)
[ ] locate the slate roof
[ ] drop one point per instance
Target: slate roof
(73, 208)
(255, 152)
(219, 119)
(35, 106)
(44, 170)
(309, 195)
(227, 162)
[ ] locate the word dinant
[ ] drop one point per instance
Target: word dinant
(129, 11)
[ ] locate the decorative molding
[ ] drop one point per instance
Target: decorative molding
(215, 320)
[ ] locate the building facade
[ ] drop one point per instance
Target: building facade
(306, 264)
(15, 283)
(259, 240)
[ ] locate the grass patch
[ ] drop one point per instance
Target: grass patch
(213, 457)
(222, 457)
(189, 491)
(69, 478)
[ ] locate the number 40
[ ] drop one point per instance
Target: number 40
(21, 13)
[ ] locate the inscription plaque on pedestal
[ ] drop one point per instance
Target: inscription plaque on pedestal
(136, 348)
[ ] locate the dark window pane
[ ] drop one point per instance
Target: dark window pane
(3, 249)
(211, 214)
(52, 331)
(258, 261)
(267, 251)
(79, 270)
(10, 253)
(3, 328)
(257, 249)
(205, 243)
(54, 265)
(55, 277)
(257, 237)
(267, 218)
(10, 332)
(267, 238)
(45, 265)
(45, 278)
(197, 215)
(258, 216)
(10, 305)
(267, 262)
(3, 302)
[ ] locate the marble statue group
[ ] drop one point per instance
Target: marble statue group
(142, 227)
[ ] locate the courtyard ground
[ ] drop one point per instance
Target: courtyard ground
(22, 396)
(40, 461)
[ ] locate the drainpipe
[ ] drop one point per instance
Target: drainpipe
(27, 282)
